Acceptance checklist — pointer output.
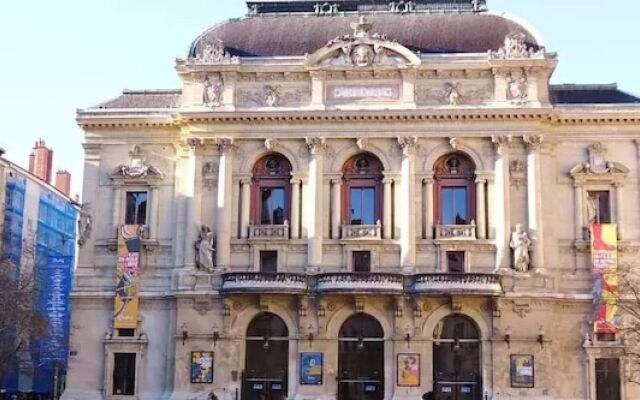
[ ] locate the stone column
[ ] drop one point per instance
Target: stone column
(502, 202)
(314, 202)
(295, 208)
(317, 89)
(428, 207)
(245, 211)
(186, 228)
(116, 220)
(223, 205)
(154, 198)
(481, 208)
(534, 200)
(577, 207)
(407, 202)
(620, 209)
(387, 214)
(491, 207)
(336, 187)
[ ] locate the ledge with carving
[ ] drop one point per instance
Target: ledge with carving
(377, 283)
(456, 232)
(257, 282)
(269, 232)
(467, 283)
(361, 232)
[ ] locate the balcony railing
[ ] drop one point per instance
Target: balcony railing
(257, 282)
(269, 232)
(456, 232)
(360, 283)
(361, 231)
(481, 284)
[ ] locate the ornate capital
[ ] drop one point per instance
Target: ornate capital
(336, 181)
(533, 142)
(501, 143)
(224, 145)
(387, 181)
(195, 143)
(408, 144)
(245, 181)
(316, 145)
(295, 181)
(428, 180)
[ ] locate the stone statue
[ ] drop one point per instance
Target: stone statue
(85, 224)
(213, 90)
(520, 244)
(205, 249)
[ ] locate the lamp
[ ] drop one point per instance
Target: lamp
(265, 345)
(216, 335)
(407, 335)
(185, 334)
(507, 336)
(541, 334)
(310, 335)
(321, 311)
(360, 342)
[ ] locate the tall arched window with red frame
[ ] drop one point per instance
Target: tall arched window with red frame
(455, 196)
(271, 190)
(362, 190)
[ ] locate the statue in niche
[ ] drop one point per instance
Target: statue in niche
(213, 89)
(85, 224)
(520, 243)
(205, 250)
(517, 86)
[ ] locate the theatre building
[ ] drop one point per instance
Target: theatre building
(357, 200)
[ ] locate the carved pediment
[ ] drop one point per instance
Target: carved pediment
(598, 168)
(137, 167)
(361, 49)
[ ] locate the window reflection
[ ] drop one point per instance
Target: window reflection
(363, 208)
(272, 206)
(454, 206)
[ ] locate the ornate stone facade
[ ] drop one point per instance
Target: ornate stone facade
(485, 121)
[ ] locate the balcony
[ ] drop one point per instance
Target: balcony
(269, 232)
(257, 282)
(471, 284)
(456, 232)
(360, 232)
(364, 283)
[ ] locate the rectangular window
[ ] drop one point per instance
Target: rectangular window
(361, 261)
(126, 332)
(607, 379)
(363, 206)
(124, 374)
(598, 207)
(269, 262)
(454, 206)
(272, 206)
(455, 262)
(136, 208)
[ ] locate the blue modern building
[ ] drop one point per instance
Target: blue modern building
(39, 239)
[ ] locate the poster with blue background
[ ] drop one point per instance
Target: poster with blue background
(311, 368)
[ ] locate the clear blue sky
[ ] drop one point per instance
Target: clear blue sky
(60, 55)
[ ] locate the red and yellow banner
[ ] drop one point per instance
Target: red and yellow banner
(127, 277)
(604, 256)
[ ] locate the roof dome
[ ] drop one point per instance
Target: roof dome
(297, 35)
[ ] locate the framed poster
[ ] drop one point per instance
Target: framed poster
(522, 371)
(408, 369)
(202, 367)
(311, 368)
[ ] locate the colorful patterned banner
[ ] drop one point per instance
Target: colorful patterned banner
(127, 277)
(604, 255)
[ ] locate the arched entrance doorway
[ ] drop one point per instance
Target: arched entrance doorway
(361, 359)
(267, 359)
(456, 359)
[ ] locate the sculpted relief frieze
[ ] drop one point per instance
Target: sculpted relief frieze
(454, 93)
(338, 93)
(273, 96)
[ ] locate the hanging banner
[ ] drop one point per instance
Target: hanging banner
(127, 277)
(604, 256)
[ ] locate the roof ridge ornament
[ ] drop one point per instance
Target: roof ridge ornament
(214, 52)
(362, 28)
(515, 47)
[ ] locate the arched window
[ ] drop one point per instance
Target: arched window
(454, 190)
(271, 187)
(362, 190)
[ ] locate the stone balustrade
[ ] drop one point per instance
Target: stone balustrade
(361, 231)
(481, 284)
(269, 232)
(257, 282)
(360, 283)
(456, 232)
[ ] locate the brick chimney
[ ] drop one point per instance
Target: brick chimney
(41, 161)
(63, 181)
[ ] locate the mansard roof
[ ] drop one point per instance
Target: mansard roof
(144, 99)
(297, 34)
(292, 6)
